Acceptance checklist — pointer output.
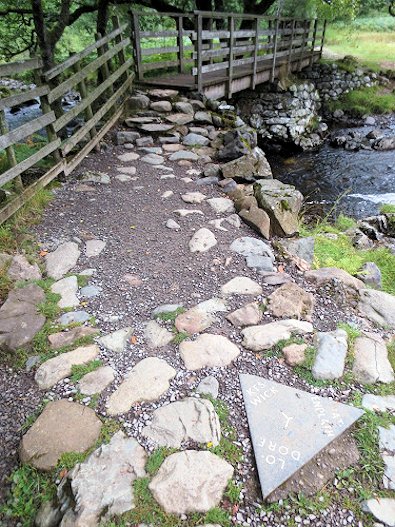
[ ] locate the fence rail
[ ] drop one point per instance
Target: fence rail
(105, 56)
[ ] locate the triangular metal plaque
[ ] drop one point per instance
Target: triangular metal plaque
(289, 427)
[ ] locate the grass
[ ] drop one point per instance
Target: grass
(387, 208)
(170, 316)
(371, 101)
(25, 150)
(156, 459)
(179, 336)
(79, 370)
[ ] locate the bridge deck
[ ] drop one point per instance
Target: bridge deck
(221, 62)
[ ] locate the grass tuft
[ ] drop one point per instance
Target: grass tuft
(170, 316)
(79, 370)
(365, 101)
(156, 459)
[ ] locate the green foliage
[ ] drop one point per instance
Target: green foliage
(352, 332)
(29, 488)
(68, 460)
(82, 280)
(170, 316)
(156, 459)
(365, 101)
(179, 336)
(233, 492)
(218, 516)
(79, 370)
(387, 208)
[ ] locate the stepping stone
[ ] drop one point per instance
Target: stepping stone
(173, 148)
(123, 178)
(193, 139)
(127, 137)
(193, 172)
(67, 338)
(272, 278)
(213, 305)
(198, 130)
(331, 355)
(190, 481)
(166, 308)
(389, 472)
(248, 315)
(145, 141)
(194, 321)
(62, 427)
(209, 386)
(326, 275)
(155, 128)
(289, 427)
(184, 155)
(378, 403)
(167, 194)
(371, 362)
(151, 149)
(61, 261)
(128, 157)
(132, 121)
(165, 168)
(21, 269)
(90, 291)
(383, 509)
(208, 351)
(247, 246)
(19, 317)
(67, 289)
(102, 486)
(184, 107)
(60, 367)
(156, 336)
(263, 264)
(145, 382)
(153, 159)
(96, 177)
(193, 197)
(159, 93)
(161, 106)
(167, 176)
(221, 205)
(290, 301)
(188, 420)
(387, 439)
(241, 285)
(171, 224)
(187, 212)
(294, 354)
(74, 317)
(179, 118)
(131, 171)
(117, 340)
(174, 138)
(260, 338)
(96, 381)
(377, 306)
(217, 224)
(133, 280)
(203, 240)
(233, 220)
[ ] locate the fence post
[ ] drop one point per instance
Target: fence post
(105, 72)
(306, 25)
(323, 38)
(137, 45)
(121, 53)
(273, 70)
(180, 44)
(231, 26)
(313, 43)
(199, 46)
(10, 152)
(291, 45)
(256, 46)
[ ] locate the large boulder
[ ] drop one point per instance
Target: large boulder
(249, 167)
(237, 143)
(282, 203)
(62, 427)
(19, 317)
(257, 219)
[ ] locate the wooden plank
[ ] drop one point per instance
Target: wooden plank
(231, 58)
(158, 34)
(63, 87)
(313, 41)
(54, 72)
(11, 157)
(256, 49)
(199, 60)
(24, 165)
(62, 121)
(25, 130)
(323, 38)
(156, 51)
(20, 98)
(12, 68)
(12, 207)
(136, 35)
(149, 66)
(69, 144)
(207, 35)
(180, 45)
(274, 51)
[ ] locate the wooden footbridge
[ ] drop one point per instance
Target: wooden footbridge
(219, 54)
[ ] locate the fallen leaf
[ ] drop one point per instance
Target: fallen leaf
(133, 340)
(43, 253)
(280, 268)
(63, 473)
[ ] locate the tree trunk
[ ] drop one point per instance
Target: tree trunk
(44, 42)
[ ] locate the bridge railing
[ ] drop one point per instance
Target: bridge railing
(210, 45)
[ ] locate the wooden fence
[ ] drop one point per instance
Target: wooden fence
(100, 108)
(220, 50)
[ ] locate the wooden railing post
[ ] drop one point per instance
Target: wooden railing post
(199, 49)
(323, 38)
(121, 53)
(137, 46)
(273, 70)
(231, 27)
(291, 45)
(256, 49)
(313, 43)
(105, 72)
(180, 44)
(10, 153)
(306, 26)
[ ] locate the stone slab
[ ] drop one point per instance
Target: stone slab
(289, 427)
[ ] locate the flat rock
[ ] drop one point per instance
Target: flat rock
(67, 289)
(129, 157)
(383, 509)
(74, 317)
(102, 486)
(257, 219)
(259, 338)
(188, 420)
(193, 197)
(173, 225)
(249, 167)
(96, 177)
(156, 336)
(209, 386)
(161, 106)
(273, 278)
(377, 306)
(167, 194)
(294, 354)
(96, 381)
(145, 382)
(202, 241)
(90, 291)
(62, 427)
(156, 128)
(183, 155)
(123, 178)
(127, 137)
(263, 264)
(208, 351)
(131, 171)
(290, 300)
(19, 317)
(247, 246)
(241, 285)
(222, 205)
(186, 212)
(67, 338)
(94, 247)
(21, 269)
(117, 340)
(159, 93)
(193, 139)
(332, 350)
(371, 362)
(326, 275)
(248, 315)
(184, 107)
(389, 470)
(194, 321)
(379, 403)
(190, 481)
(213, 305)
(60, 367)
(289, 427)
(61, 261)
(153, 159)
(203, 117)
(179, 119)
(300, 247)
(165, 308)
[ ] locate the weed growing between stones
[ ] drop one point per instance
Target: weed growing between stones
(179, 336)
(365, 101)
(170, 316)
(79, 370)
(276, 350)
(156, 459)
(82, 280)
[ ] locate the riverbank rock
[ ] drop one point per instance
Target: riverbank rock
(260, 338)
(300, 247)
(326, 275)
(188, 420)
(237, 143)
(208, 351)
(290, 300)
(332, 349)
(371, 362)
(62, 427)
(282, 203)
(19, 317)
(377, 306)
(257, 219)
(102, 486)
(249, 167)
(61, 261)
(190, 481)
